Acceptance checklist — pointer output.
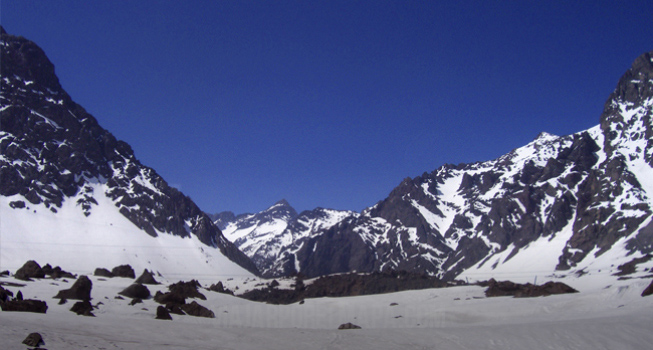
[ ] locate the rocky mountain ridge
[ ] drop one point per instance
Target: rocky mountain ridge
(556, 205)
(53, 151)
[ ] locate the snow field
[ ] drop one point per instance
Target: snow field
(104, 239)
(609, 317)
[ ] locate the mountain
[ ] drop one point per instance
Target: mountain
(559, 204)
(59, 163)
(272, 236)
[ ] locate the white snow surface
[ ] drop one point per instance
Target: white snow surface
(104, 239)
(612, 316)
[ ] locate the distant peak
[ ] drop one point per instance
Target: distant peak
(282, 202)
(544, 136)
(282, 206)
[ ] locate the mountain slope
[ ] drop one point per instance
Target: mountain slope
(576, 202)
(272, 237)
(53, 153)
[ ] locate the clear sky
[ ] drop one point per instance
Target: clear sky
(331, 103)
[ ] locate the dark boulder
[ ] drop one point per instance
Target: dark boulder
(136, 291)
(648, 290)
(175, 309)
(146, 278)
(195, 309)
(162, 313)
(28, 305)
(5, 294)
(349, 325)
(34, 340)
(219, 288)
(30, 270)
(56, 272)
(102, 272)
(81, 290)
(84, 308)
(136, 301)
(187, 289)
(169, 298)
(123, 271)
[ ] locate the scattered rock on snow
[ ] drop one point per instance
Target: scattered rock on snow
(102, 272)
(195, 309)
(28, 305)
(29, 270)
(175, 309)
(508, 288)
(219, 288)
(56, 272)
(83, 307)
(146, 278)
(136, 290)
(34, 340)
(169, 298)
(187, 289)
(5, 294)
(81, 290)
(349, 325)
(162, 313)
(123, 271)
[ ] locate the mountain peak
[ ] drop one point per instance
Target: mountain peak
(282, 202)
(282, 208)
(24, 59)
(54, 152)
(635, 85)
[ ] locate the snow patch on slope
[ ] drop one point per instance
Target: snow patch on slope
(103, 239)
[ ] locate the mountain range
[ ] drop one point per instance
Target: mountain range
(560, 204)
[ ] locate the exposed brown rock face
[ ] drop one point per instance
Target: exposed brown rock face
(507, 288)
(346, 285)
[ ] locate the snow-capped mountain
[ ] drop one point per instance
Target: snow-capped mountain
(272, 237)
(64, 180)
(560, 203)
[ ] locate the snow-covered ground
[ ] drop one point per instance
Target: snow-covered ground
(601, 316)
(104, 239)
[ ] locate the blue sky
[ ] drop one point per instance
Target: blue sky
(331, 103)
